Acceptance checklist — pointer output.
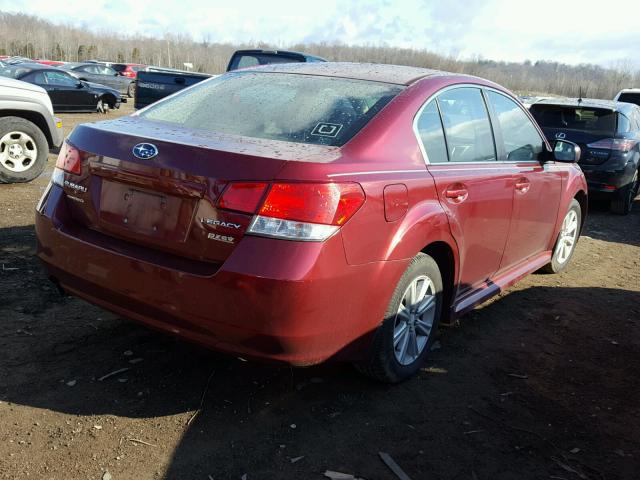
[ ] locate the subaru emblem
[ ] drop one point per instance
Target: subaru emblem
(145, 151)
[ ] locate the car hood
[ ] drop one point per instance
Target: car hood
(19, 84)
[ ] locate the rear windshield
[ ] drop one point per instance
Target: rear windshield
(118, 67)
(246, 60)
(630, 98)
(594, 120)
(13, 72)
(276, 106)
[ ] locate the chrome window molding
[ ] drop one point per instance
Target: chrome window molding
(416, 132)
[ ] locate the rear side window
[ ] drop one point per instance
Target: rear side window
(521, 139)
(275, 106)
(431, 133)
(466, 125)
(566, 117)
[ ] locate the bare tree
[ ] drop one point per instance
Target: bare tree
(35, 37)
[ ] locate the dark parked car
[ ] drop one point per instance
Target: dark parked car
(253, 58)
(156, 83)
(102, 74)
(307, 212)
(608, 133)
(67, 93)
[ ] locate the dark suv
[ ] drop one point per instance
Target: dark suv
(608, 133)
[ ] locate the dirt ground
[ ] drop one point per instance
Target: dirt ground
(541, 383)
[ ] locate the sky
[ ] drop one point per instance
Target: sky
(568, 31)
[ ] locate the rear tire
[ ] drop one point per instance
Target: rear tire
(567, 239)
(131, 89)
(403, 339)
(622, 201)
(23, 150)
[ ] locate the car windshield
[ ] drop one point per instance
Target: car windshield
(592, 120)
(276, 106)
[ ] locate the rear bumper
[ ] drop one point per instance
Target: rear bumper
(604, 179)
(293, 302)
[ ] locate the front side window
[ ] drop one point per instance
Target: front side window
(276, 106)
(466, 125)
(522, 142)
(59, 78)
(431, 134)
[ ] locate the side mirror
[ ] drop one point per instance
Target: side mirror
(566, 152)
(79, 85)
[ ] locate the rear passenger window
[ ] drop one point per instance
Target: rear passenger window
(431, 134)
(466, 125)
(522, 142)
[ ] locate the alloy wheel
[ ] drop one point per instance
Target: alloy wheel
(568, 237)
(414, 320)
(18, 152)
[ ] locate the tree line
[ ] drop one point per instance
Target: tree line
(34, 37)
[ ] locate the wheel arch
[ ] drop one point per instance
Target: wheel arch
(109, 98)
(445, 258)
(34, 117)
(582, 199)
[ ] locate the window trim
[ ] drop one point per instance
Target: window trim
(482, 89)
(499, 126)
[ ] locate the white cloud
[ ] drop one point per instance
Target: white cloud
(571, 31)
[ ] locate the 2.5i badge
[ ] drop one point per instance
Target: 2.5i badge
(221, 238)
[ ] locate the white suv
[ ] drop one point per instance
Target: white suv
(28, 130)
(629, 95)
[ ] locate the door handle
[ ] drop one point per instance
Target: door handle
(456, 193)
(523, 185)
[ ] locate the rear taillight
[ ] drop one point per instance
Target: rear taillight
(617, 144)
(242, 196)
(70, 159)
(296, 211)
(324, 203)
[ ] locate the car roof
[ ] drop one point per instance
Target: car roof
(589, 103)
(76, 64)
(396, 74)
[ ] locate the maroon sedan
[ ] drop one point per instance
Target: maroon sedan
(308, 212)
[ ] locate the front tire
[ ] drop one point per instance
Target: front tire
(623, 199)
(403, 340)
(567, 239)
(23, 150)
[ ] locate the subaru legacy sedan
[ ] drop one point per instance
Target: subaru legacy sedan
(309, 212)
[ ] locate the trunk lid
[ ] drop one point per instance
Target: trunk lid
(168, 202)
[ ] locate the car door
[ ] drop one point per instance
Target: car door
(473, 188)
(537, 186)
(68, 92)
(39, 78)
(90, 73)
(110, 77)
